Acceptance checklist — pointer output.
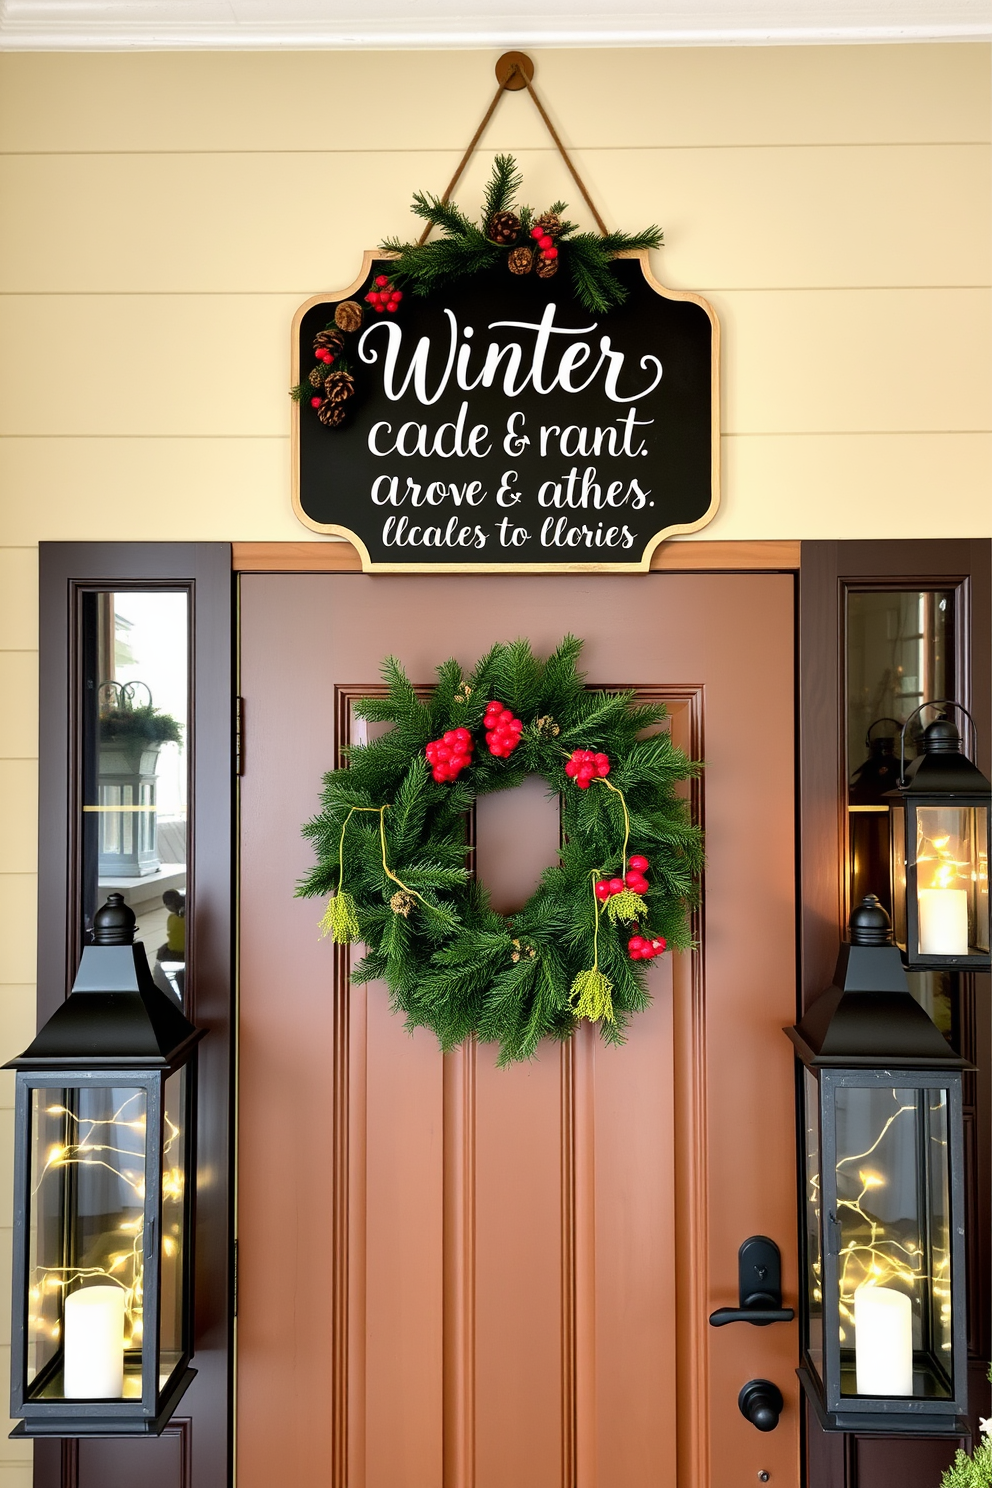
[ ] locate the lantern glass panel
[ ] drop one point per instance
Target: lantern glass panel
(898, 841)
(85, 1227)
(814, 1259)
(172, 1341)
(893, 1241)
(952, 879)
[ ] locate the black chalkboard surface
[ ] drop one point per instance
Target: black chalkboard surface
(498, 425)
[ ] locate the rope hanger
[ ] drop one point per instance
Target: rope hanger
(515, 71)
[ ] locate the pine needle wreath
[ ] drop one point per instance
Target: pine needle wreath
(517, 236)
(392, 851)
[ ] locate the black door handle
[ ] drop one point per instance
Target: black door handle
(760, 1316)
(759, 1287)
(761, 1403)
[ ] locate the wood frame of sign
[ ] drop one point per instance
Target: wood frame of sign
(499, 479)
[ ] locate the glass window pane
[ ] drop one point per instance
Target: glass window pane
(135, 766)
(86, 1227)
(900, 653)
(893, 1213)
(172, 1342)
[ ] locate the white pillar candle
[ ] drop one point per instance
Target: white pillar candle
(943, 922)
(883, 1341)
(93, 1343)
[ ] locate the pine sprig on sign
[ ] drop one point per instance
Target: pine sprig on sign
(392, 839)
(466, 249)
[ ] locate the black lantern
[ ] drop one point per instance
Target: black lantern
(868, 813)
(102, 1270)
(939, 852)
(884, 1345)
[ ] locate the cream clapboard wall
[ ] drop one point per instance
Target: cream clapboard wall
(164, 214)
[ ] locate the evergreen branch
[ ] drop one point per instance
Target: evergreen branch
(501, 188)
(443, 214)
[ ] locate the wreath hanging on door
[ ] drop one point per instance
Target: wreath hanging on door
(391, 849)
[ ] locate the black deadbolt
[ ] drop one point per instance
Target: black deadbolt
(761, 1403)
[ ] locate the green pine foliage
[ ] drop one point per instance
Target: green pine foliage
(465, 249)
(970, 1472)
(451, 963)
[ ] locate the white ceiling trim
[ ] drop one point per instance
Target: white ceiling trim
(124, 25)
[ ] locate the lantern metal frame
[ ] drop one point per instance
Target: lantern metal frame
(867, 1032)
(116, 1030)
(940, 778)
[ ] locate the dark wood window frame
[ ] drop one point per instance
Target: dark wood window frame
(828, 572)
(203, 1456)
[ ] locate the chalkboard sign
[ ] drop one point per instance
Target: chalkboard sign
(499, 426)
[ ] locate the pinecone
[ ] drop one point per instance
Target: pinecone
(338, 386)
(550, 222)
(333, 340)
(546, 727)
(546, 268)
(402, 902)
(521, 260)
(331, 414)
(504, 227)
(348, 316)
(317, 376)
(521, 949)
(463, 694)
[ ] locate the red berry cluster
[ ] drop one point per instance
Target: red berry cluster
(544, 242)
(605, 888)
(450, 754)
(502, 730)
(324, 354)
(645, 948)
(384, 296)
(584, 766)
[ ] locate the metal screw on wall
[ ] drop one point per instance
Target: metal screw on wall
(763, 1476)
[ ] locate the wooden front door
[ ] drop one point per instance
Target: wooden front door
(453, 1276)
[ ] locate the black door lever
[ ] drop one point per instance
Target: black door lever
(759, 1287)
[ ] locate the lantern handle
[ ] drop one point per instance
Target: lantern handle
(875, 725)
(936, 703)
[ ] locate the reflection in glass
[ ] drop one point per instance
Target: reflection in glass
(900, 650)
(135, 765)
(952, 883)
(86, 1228)
(893, 1241)
(172, 1320)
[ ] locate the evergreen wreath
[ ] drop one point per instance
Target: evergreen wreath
(391, 848)
(523, 240)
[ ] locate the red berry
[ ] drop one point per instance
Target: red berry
(616, 885)
(381, 280)
(463, 736)
(636, 943)
(373, 297)
(571, 769)
(316, 402)
(392, 307)
(602, 889)
(544, 242)
(537, 232)
(397, 295)
(379, 309)
(659, 945)
(549, 252)
(582, 783)
(639, 862)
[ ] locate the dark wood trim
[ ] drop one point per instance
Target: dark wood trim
(827, 571)
(66, 570)
(683, 555)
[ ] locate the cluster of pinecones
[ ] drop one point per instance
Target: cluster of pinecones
(505, 228)
(333, 389)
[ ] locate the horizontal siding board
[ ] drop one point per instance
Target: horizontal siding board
(418, 100)
(756, 217)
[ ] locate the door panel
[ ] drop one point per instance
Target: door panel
(461, 1276)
